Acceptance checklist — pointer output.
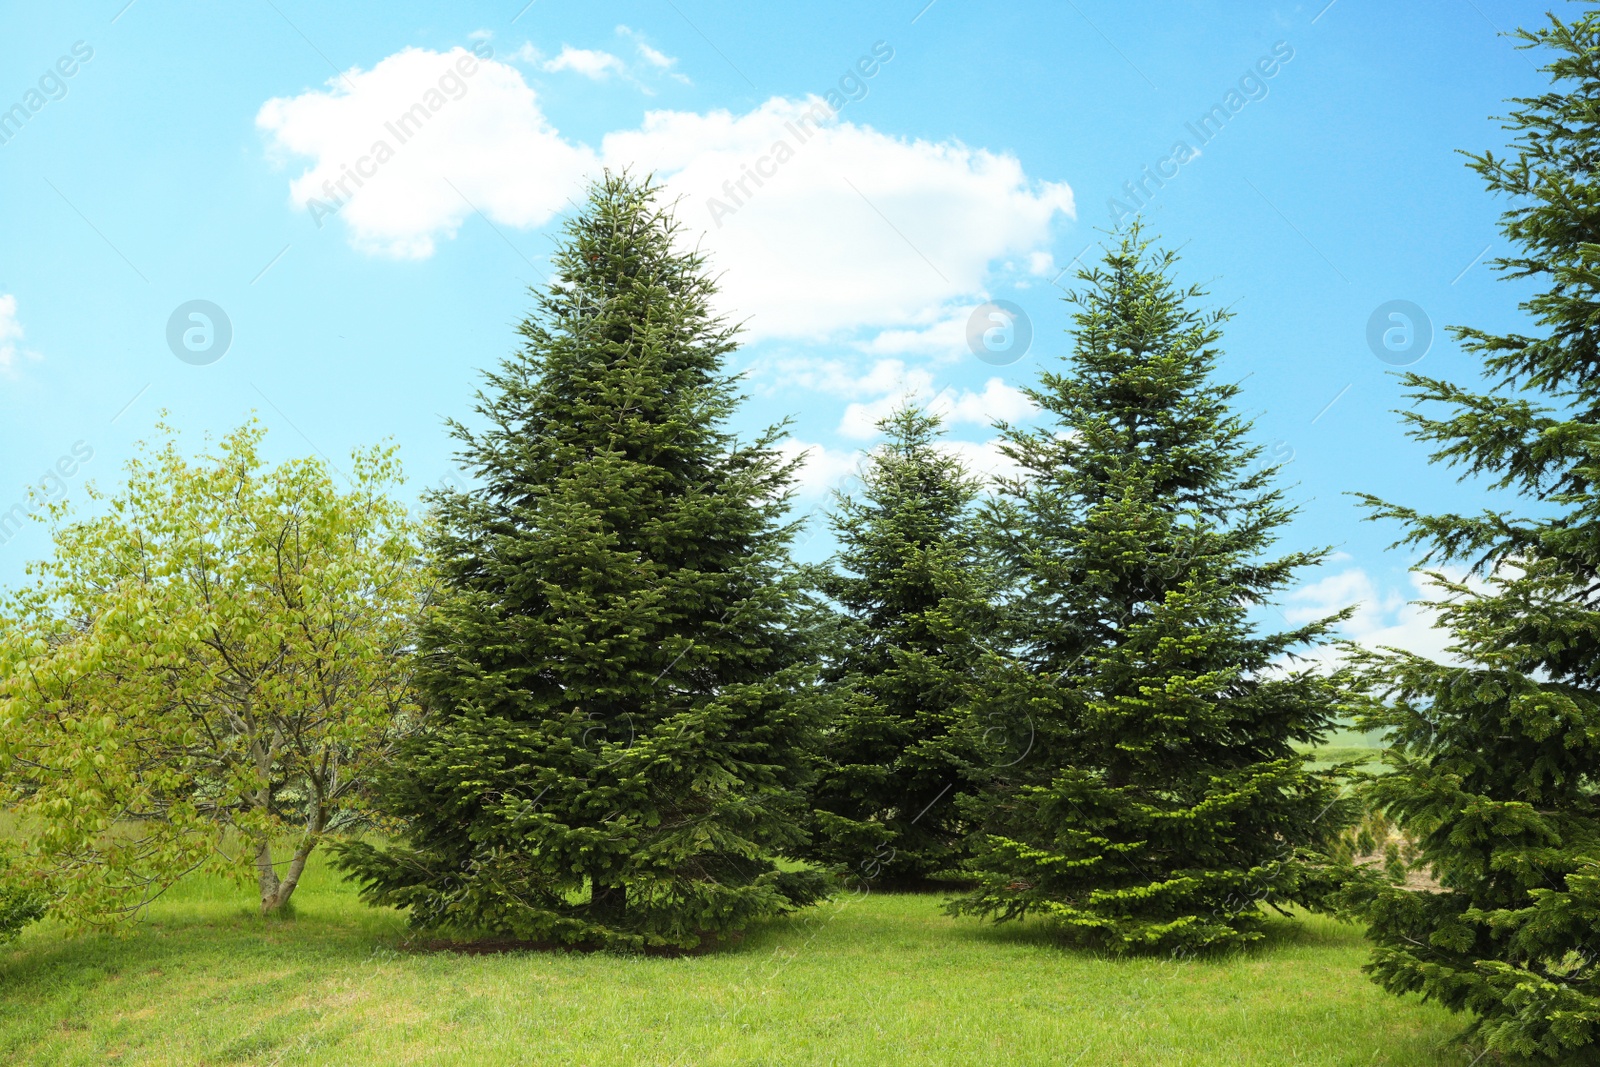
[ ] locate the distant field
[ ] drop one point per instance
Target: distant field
(1342, 746)
(875, 980)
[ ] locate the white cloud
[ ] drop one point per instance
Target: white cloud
(983, 459)
(845, 230)
(997, 402)
(861, 418)
(591, 64)
(836, 377)
(1384, 618)
(828, 469)
(900, 386)
(654, 57)
(11, 336)
(944, 339)
(824, 468)
(874, 231)
(470, 141)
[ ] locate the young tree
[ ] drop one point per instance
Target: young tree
(909, 588)
(1163, 800)
(614, 674)
(1496, 757)
(210, 666)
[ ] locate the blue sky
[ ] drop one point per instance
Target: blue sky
(973, 152)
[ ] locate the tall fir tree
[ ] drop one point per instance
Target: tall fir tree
(1163, 803)
(910, 592)
(614, 669)
(1496, 756)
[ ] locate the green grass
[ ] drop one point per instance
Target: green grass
(1367, 760)
(1346, 744)
(884, 979)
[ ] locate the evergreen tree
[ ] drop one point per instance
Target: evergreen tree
(1163, 801)
(1496, 756)
(908, 586)
(613, 667)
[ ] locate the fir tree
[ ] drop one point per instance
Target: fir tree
(1496, 756)
(613, 667)
(1163, 802)
(909, 590)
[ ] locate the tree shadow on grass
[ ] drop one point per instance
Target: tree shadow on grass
(212, 982)
(203, 955)
(1279, 934)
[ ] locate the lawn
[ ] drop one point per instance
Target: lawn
(879, 979)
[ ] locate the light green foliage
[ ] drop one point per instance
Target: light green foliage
(218, 657)
(19, 905)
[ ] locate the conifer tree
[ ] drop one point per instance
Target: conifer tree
(1163, 802)
(613, 669)
(909, 590)
(1496, 756)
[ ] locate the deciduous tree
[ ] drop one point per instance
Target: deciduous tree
(205, 672)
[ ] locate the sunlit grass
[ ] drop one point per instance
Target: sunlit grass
(1348, 744)
(881, 979)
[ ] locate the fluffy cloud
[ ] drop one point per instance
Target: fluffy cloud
(823, 227)
(837, 377)
(997, 402)
(1384, 618)
(404, 152)
(825, 469)
(901, 385)
(983, 459)
(943, 340)
(861, 418)
(10, 336)
(874, 230)
(597, 66)
(822, 468)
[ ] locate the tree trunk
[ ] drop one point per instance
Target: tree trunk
(268, 876)
(275, 891)
(297, 865)
(608, 905)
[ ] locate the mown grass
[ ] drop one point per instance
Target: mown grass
(880, 979)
